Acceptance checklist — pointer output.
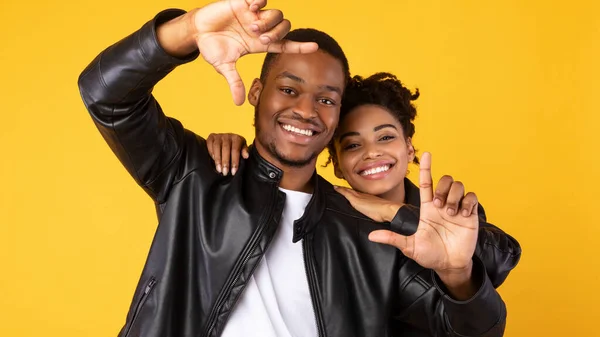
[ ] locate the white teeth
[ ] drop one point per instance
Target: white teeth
(375, 170)
(298, 131)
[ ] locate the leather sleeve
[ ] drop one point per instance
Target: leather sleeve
(482, 315)
(499, 252)
(116, 88)
(423, 307)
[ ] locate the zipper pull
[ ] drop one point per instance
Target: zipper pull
(149, 286)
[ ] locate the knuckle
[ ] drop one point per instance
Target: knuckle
(425, 185)
(440, 192)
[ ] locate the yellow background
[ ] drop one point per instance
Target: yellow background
(509, 105)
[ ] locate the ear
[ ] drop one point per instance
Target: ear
(410, 150)
(254, 92)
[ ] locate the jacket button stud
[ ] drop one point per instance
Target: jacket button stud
(272, 175)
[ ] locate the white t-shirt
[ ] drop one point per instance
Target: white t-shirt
(276, 301)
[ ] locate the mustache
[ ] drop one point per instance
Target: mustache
(296, 117)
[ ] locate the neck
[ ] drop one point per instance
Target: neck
(396, 195)
(297, 179)
(294, 178)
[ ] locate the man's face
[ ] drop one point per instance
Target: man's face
(297, 108)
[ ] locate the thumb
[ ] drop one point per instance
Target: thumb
(236, 86)
(402, 242)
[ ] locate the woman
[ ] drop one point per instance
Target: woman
(372, 149)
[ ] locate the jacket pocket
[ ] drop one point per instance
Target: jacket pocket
(140, 304)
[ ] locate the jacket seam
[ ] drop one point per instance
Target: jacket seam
(169, 165)
(402, 313)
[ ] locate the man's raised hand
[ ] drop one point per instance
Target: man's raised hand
(224, 31)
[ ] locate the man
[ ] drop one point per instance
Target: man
(274, 250)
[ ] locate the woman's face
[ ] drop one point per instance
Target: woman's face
(372, 152)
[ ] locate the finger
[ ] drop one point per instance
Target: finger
(293, 47)
(255, 5)
(348, 193)
(469, 204)
(245, 152)
(226, 154)
(402, 242)
(267, 21)
(425, 180)
(209, 143)
(441, 191)
(236, 86)
(216, 150)
(236, 149)
(457, 192)
(341, 190)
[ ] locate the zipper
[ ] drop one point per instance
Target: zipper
(310, 277)
(254, 240)
(141, 302)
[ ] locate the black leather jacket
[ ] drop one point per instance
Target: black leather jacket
(214, 230)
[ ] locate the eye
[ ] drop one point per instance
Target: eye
(326, 101)
(350, 146)
(287, 91)
(385, 138)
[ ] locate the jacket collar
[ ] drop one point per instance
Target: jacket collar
(267, 172)
(412, 195)
(261, 168)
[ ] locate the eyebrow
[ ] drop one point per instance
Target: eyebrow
(383, 126)
(291, 76)
(377, 128)
(348, 134)
(298, 79)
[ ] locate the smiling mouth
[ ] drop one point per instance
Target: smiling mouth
(297, 131)
(375, 170)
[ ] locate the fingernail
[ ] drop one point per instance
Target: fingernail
(219, 168)
(450, 211)
(225, 170)
(465, 212)
(374, 236)
(265, 39)
(233, 171)
(437, 202)
(254, 28)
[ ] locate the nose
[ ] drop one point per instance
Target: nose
(305, 107)
(372, 151)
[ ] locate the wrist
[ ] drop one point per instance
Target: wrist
(459, 282)
(390, 212)
(178, 36)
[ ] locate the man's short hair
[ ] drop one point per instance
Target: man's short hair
(326, 44)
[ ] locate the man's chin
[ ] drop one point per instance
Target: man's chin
(293, 158)
(296, 161)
